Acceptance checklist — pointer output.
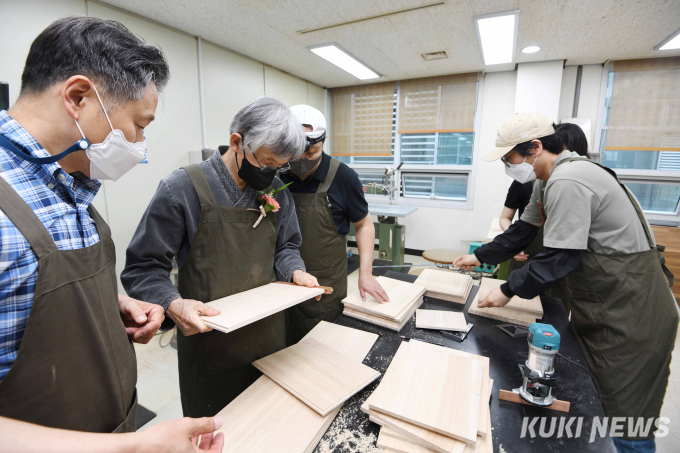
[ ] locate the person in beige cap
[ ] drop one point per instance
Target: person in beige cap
(596, 235)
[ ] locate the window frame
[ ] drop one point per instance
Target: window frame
(470, 171)
(628, 175)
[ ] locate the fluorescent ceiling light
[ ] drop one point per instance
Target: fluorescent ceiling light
(344, 61)
(531, 49)
(672, 42)
(497, 35)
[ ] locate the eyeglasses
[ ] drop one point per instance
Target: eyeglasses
(504, 159)
(264, 168)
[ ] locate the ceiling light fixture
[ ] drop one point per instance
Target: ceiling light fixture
(531, 49)
(672, 42)
(434, 55)
(497, 34)
(343, 60)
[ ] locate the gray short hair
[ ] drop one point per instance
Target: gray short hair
(120, 63)
(268, 123)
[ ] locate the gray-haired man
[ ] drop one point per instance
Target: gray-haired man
(200, 216)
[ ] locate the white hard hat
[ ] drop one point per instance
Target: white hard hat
(308, 115)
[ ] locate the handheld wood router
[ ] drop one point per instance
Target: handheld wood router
(538, 370)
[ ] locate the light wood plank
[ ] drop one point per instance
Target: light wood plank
(267, 418)
(436, 390)
(317, 374)
(530, 306)
(390, 440)
(245, 308)
(403, 295)
(557, 405)
(384, 322)
(445, 284)
(441, 320)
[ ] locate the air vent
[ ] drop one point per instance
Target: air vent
(434, 55)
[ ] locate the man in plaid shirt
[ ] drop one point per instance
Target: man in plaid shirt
(89, 88)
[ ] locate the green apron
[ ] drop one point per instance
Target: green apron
(227, 256)
(561, 289)
(324, 252)
(625, 320)
(76, 368)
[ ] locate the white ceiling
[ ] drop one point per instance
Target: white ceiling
(578, 31)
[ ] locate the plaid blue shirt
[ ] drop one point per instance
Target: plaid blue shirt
(60, 201)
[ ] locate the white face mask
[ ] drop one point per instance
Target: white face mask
(115, 156)
(522, 173)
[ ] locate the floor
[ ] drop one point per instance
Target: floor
(158, 379)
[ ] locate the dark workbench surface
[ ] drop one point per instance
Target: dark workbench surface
(351, 431)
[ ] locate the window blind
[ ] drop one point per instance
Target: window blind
(438, 104)
(362, 120)
(644, 114)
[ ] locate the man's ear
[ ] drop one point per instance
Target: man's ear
(536, 147)
(235, 142)
(76, 93)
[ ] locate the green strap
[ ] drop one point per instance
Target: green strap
(332, 170)
(25, 220)
(632, 198)
(201, 184)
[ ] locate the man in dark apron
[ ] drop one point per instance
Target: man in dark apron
(67, 361)
(328, 196)
(205, 216)
(595, 233)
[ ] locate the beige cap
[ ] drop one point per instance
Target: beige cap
(521, 128)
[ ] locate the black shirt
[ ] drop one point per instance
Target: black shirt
(519, 196)
(346, 193)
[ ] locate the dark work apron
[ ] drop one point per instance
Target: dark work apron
(76, 368)
(324, 252)
(561, 289)
(227, 256)
(625, 319)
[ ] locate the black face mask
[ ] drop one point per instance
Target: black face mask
(252, 175)
(303, 166)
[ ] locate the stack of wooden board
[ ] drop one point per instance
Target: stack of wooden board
(245, 308)
(405, 298)
(518, 311)
(446, 285)
(433, 398)
(267, 418)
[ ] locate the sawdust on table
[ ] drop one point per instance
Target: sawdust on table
(340, 437)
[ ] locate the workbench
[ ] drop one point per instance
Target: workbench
(351, 429)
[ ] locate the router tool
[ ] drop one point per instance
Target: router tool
(538, 372)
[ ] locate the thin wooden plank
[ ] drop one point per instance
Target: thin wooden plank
(265, 417)
(441, 320)
(500, 313)
(245, 308)
(384, 322)
(557, 405)
(390, 440)
(436, 390)
(445, 283)
(530, 306)
(402, 296)
(317, 374)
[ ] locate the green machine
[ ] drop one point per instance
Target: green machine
(390, 234)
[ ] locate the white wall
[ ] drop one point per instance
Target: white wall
(431, 228)
(230, 82)
(538, 88)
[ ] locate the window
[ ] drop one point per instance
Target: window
(437, 158)
(639, 138)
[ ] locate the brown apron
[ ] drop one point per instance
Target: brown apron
(324, 252)
(76, 368)
(625, 319)
(227, 256)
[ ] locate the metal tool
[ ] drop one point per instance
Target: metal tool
(513, 330)
(458, 336)
(538, 371)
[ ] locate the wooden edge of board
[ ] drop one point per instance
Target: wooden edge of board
(557, 405)
(326, 289)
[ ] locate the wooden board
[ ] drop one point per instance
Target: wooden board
(445, 283)
(402, 297)
(557, 405)
(441, 320)
(449, 405)
(245, 308)
(530, 306)
(510, 315)
(383, 322)
(391, 441)
(267, 418)
(317, 374)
